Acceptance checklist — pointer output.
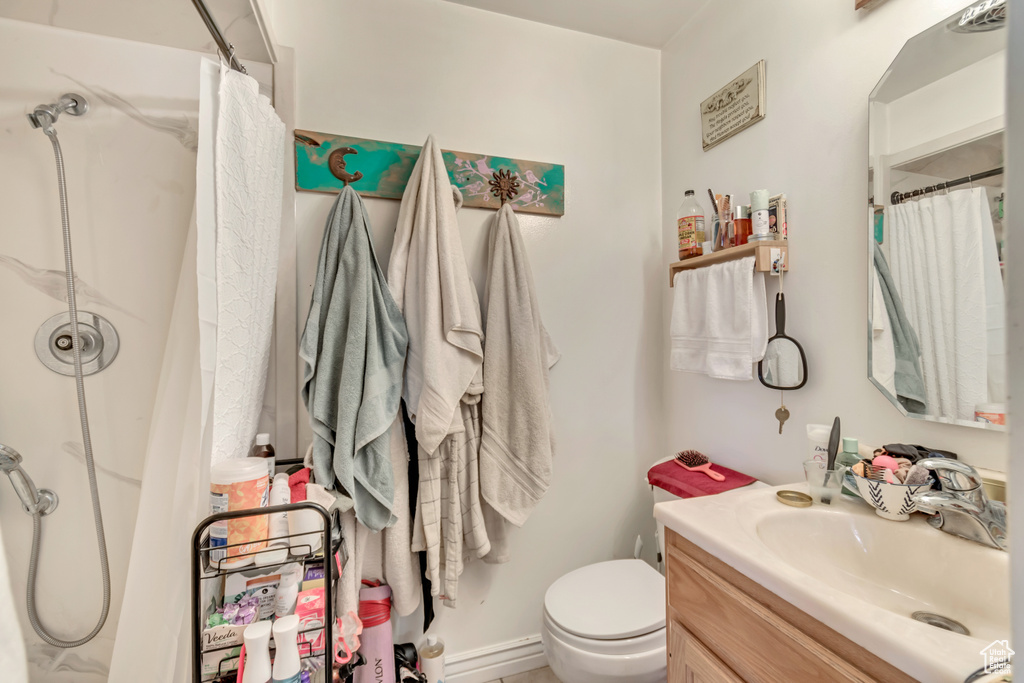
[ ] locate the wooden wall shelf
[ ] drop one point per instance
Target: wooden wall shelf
(760, 250)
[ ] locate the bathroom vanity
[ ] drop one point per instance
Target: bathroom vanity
(758, 591)
(725, 628)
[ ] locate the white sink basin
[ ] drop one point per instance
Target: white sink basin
(859, 574)
(902, 566)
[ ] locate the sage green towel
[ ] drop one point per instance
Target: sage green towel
(354, 348)
(908, 378)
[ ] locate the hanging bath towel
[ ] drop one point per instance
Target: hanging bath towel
(443, 376)
(354, 348)
(517, 444)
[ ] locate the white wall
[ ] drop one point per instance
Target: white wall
(131, 181)
(823, 59)
(488, 83)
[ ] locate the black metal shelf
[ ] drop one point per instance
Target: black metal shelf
(206, 569)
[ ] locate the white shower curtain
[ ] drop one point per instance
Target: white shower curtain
(214, 366)
(944, 262)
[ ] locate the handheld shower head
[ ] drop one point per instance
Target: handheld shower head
(33, 500)
(10, 459)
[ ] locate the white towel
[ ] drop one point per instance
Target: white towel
(719, 320)
(430, 282)
(516, 447)
(249, 154)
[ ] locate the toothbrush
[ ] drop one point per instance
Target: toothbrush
(695, 461)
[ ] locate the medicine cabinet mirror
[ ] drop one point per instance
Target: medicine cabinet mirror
(936, 295)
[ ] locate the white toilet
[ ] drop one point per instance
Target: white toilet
(605, 623)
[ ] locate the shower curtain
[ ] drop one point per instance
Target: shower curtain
(214, 368)
(945, 266)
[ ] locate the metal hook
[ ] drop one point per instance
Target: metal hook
(336, 164)
(505, 186)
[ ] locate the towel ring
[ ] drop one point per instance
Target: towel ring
(336, 164)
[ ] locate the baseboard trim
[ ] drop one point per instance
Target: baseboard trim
(491, 663)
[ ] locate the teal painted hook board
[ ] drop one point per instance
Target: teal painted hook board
(386, 167)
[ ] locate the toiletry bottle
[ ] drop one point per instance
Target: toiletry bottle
(263, 449)
(848, 458)
(690, 222)
(432, 660)
(287, 593)
(741, 225)
(759, 226)
(257, 653)
(287, 665)
(277, 545)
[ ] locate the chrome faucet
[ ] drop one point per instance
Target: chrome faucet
(961, 507)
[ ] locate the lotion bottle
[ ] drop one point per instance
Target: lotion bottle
(257, 653)
(277, 531)
(432, 659)
(287, 665)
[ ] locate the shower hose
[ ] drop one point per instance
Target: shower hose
(83, 416)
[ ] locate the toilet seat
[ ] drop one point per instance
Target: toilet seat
(608, 601)
(624, 646)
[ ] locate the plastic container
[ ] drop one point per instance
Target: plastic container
(238, 484)
(817, 442)
(690, 223)
(432, 660)
(741, 225)
(257, 653)
(306, 530)
(759, 226)
(287, 665)
(990, 413)
(287, 595)
(264, 450)
(277, 544)
(848, 458)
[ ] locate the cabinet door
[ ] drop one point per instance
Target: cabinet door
(690, 662)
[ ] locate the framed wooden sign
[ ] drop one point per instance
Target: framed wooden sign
(738, 105)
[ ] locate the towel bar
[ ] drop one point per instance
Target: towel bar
(760, 250)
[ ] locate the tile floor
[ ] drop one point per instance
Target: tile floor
(536, 676)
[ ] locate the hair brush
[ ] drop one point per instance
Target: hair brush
(695, 461)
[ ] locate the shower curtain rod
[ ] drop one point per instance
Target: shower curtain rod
(898, 197)
(226, 48)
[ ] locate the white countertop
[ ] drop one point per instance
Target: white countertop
(726, 525)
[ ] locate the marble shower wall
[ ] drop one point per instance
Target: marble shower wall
(131, 182)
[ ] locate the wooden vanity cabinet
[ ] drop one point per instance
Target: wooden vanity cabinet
(726, 628)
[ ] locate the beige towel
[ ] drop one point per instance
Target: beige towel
(516, 447)
(430, 281)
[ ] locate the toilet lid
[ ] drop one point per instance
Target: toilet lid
(608, 600)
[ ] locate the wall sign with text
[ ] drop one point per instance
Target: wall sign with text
(733, 108)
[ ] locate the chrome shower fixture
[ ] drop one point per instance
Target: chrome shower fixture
(33, 500)
(45, 115)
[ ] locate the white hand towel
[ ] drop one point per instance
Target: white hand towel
(719, 320)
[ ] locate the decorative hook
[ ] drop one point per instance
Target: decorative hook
(505, 186)
(336, 163)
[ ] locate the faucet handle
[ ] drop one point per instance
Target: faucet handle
(953, 475)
